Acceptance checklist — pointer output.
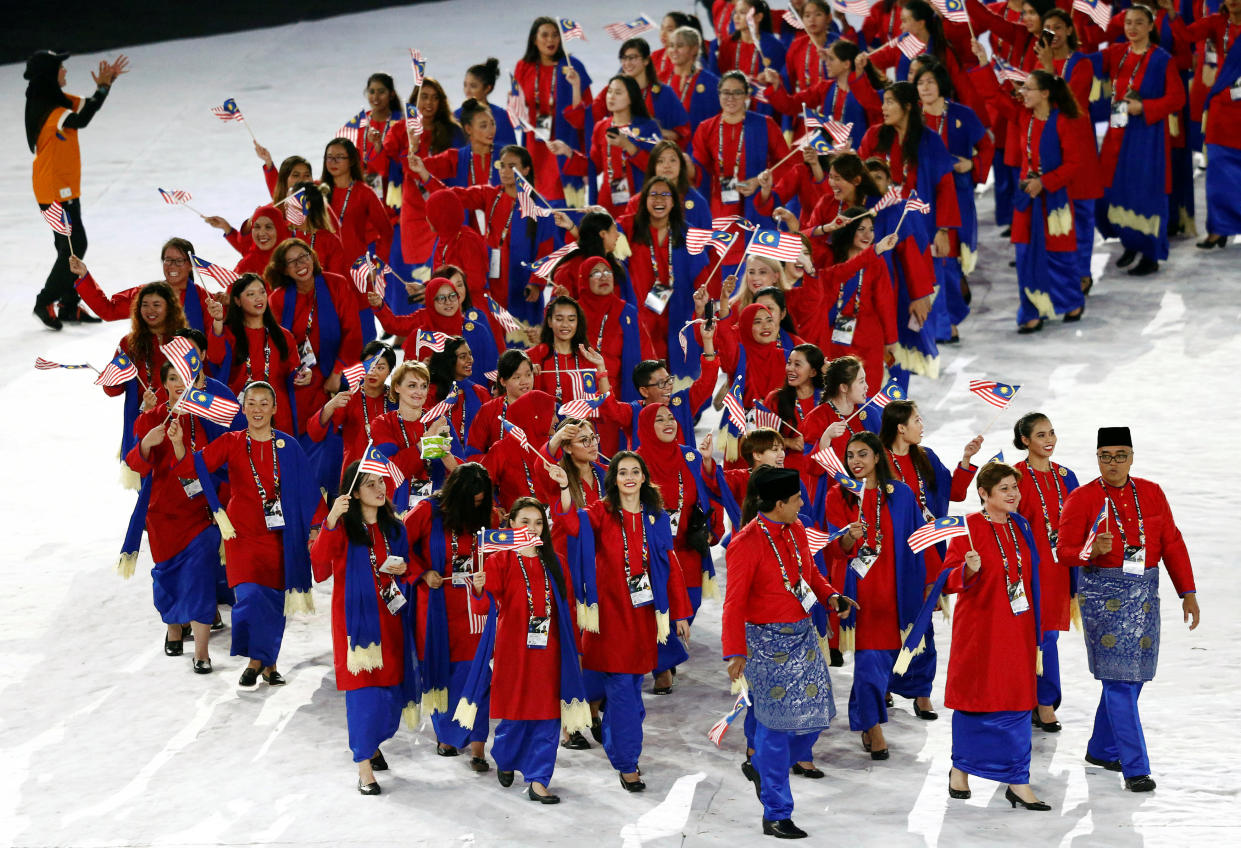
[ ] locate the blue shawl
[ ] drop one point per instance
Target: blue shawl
(327, 319)
(436, 664)
(1054, 204)
(649, 134)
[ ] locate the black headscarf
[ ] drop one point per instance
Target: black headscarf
(43, 92)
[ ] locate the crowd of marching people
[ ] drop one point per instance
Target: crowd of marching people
(468, 371)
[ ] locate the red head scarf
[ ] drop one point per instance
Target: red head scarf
(597, 307)
(764, 363)
(450, 324)
(664, 459)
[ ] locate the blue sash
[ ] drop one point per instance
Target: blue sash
(789, 681)
(1120, 614)
(327, 318)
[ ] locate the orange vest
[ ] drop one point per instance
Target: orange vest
(57, 171)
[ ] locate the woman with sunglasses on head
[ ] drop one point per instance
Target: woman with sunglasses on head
(364, 548)
(1044, 486)
(881, 573)
(175, 260)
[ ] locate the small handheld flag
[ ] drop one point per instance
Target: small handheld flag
(793, 19)
(295, 210)
(734, 403)
(430, 340)
(719, 242)
(526, 200)
(509, 429)
(717, 731)
(1004, 72)
(818, 540)
(910, 45)
(583, 383)
(890, 198)
(47, 365)
(937, 531)
(518, 111)
(583, 407)
(375, 461)
(441, 408)
(629, 29)
(355, 128)
(413, 119)
(891, 391)
(726, 222)
(1094, 531)
(120, 370)
(228, 111)
(419, 66)
(853, 7)
(850, 484)
(569, 29)
(185, 359)
(503, 316)
(221, 410)
(829, 461)
(914, 204)
(764, 417)
(783, 247)
(543, 268)
(58, 219)
(219, 273)
(509, 539)
(1096, 10)
(999, 457)
(953, 10)
(361, 271)
(175, 198)
(997, 394)
(354, 375)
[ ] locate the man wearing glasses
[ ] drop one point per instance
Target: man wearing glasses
(1123, 527)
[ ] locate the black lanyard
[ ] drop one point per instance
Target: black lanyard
(740, 143)
(1118, 94)
(275, 471)
(842, 418)
(1120, 526)
(896, 466)
(831, 109)
(401, 426)
(1012, 535)
(625, 541)
(1033, 171)
(366, 414)
(608, 150)
(784, 575)
(655, 262)
(508, 222)
(1055, 482)
(370, 552)
(266, 360)
(345, 205)
(547, 587)
(603, 322)
(577, 366)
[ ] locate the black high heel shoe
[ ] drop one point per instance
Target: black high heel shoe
(1045, 726)
(173, 648)
(1126, 258)
(812, 772)
(1145, 267)
(1213, 241)
(1027, 329)
(925, 715)
(1011, 797)
(576, 742)
(959, 794)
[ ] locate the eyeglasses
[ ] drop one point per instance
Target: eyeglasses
(599, 275)
(660, 194)
(631, 57)
(588, 441)
(665, 383)
(733, 94)
(300, 259)
(451, 297)
(1119, 458)
(335, 158)
(177, 262)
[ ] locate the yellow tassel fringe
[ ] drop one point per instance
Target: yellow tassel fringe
(576, 196)
(226, 526)
(945, 607)
(581, 616)
(848, 639)
(130, 479)
(592, 618)
(902, 661)
(126, 564)
(622, 251)
(465, 714)
(411, 714)
(710, 589)
(969, 260)
(1038, 663)
(1060, 221)
(435, 701)
(574, 715)
(296, 601)
(739, 685)
(916, 362)
(662, 626)
(364, 659)
(1075, 612)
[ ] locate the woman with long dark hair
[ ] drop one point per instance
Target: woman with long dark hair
(801, 393)
(741, 50)
(318, 229)
(514, 378)
(383, 110)
(845, 411)
(563, 351)
(846, 91)
(597, 235)
(452, 381)
(669, 162)
(364, 548)
(53, 119)
(350, 415)
(447, 306)
(918, 20)
(555, 85)
(469, 165)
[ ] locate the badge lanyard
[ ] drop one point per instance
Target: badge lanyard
(607, 162)
(832, 113)
(473, 176)
(1120, 527)
(547, 589)
(1012, 535)
(603, 323)
(1118, 94)
(740, 142)
(370, 551)
(878, 522)
(655, 262)
(551, 104)
(577, 366)
(625, 542)
(1055, 482)
(1033, 171)
(275, 471)
(917, 475)
(788, 584)
(848, 426)
(508, 222)
(345, 204)
(811, 47)
(686, 83)
(266, 359)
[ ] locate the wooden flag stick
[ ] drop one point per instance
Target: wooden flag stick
(994, 418)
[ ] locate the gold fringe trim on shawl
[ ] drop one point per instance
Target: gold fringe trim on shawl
(739, 685)
(226, 526)
(126, 564)
(574, 715)
(681, 383)
(130, 479)
(592, 618)
(1075, 612)
(848, 639)
(969, 260)
(945, 607)
(825, 646)
(222, 557)
(710, 588)
(296, 601)
(916, 362)
(393, 196)
(622, 251)
(575, 196)
(1188, 227)
(1038, 663)
(1060, 221)
(1127, 218)
(663, 626)
(1040, 301)
(581, 615)
(421, 274)
(1096, 89)
(1174, 126)
(906, 656)
(411, 714)
(364, 659)
(465, 714)
(435, 701)
(729, 444)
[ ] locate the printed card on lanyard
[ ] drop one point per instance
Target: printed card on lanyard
(193, 487)
(657, 298)
(620, 191)
(805, 595)
(865, 558)
(1017, 598)
(536, 632)
(273, 514)
(307, 353)
(393, 597)
(640, 593)
(419, 491)
(1135, 560)
(843, 326)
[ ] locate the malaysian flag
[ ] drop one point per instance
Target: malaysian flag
(751, 22)
(999, 457)
(175, 198)
(543, 267)
(185, 359)
(1096, 10)
(228, 111)
(518, 111)
(764, 417)
(570, 30)
(997, 394)
(1094, 531)
(503, 316)
(850, 484)
(891, 391)
(354, 375)
(1005, 72)
(295, 209)
(221, 410)
(48, 365)
(583, 383)
(734, 403)
(910, 45)
(818, 540)
(811, 118)
(361, 271)
(829, 461)
(783, 247)
(937, 531)
(354, 129)
(419, 66)
(840, 133)
(854, 7)
(727, 222)
(681, 334)
(717, 731)
(582, 407)
(915, 204)
(58, 219)
(697, 238)
(430, 340)
(525, 199)
(441, 408)
(953, 10)
(219, 273)
(890, 198)
(508, 539)
(120, 370)
(793, 19)
(375, 461)
(413, 119)
(629, 29)
(509, 429)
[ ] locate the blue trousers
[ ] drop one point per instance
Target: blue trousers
(1083, 226)
(622, 720)
(593, 682)
(801, 746)
(1118, 729)
(772, 754)
(183, 586)
(527, 746)
(373, 714)
(1223, 204)
(448, 731)
(872, 671)
(258, 622)
(1049, 683)
(994, 745)
(917, 680)
(1005, 186)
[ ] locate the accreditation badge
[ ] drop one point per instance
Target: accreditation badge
(1017, 598)
(640, 593)
(842, 329)
(728, 190)
(805, 595)
(1135, 560)
(273, 515)
(657, 298)
(865, 558)
(536, 631)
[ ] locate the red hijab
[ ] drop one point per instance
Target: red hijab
(664, 459)
(764, 363)
(450, 324)
(597, 307)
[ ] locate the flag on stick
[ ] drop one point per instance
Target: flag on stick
(215, 408)
(934, 532)
(629, 29)
(1094, 531)
(58, 219)
(120, 370)
(509, 539)
(998, 395)
(47, 365)
(717, 731)
(219, 273)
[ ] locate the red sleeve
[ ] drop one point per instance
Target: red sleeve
(1172, 549)
(947, 210)
(350, 330)
(961, 577)
(867, 98)
(790, 103)
(1071, 159)
(886, 57)
(919, 272)
(740, 562)
(418, 527)
(985, 20)
(329, 548)
(885, 303)
(270, 176)
(702, 389)
(679, 606)
(961, 480)
(442, 165)
(237, 241)
(115, 308)
(397, 325)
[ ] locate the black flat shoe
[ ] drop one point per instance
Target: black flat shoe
(1145, 783)
(273, 678)
(838, 659)
(1045, 726)
(173, 649)
(751, 774)
(662, 690)
(202, 666)
(1011, 797)
(1213, 241)
(887, 701)
(187, 632)
(47, 317)
(967, 296)
(783, 829)
(446, 750)
(479, 765)
(77, 315)
(955, 338)
(1087, 284)
(925, 715)
(217, 625)
(881, 754)
(549, 798)
(249, 677)
(959, 794)
(631, 786)
(1144, 268)
(368, 788)
(1075, 315)
(1007, 232)
(596, 730)
(1110, 765)
(505, 778)
(1027, 329)
(1126, 259)
(378, 763)
(576, 742)
(812, 772)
